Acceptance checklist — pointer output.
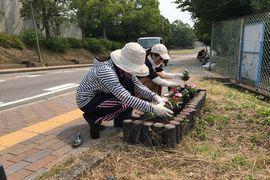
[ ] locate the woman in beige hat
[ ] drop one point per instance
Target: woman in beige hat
(157, 76)
(107, 90)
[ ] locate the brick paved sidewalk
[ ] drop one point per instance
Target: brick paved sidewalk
(34, 155)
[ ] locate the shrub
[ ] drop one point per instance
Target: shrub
(116, 45)
(94, 45)
(10, 41)
(57, 44)
(29, 37)
(100, 45)
(75, 43)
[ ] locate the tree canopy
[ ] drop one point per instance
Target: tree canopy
(117, 20)
(49, 14)
(206, 11)
(182, 35)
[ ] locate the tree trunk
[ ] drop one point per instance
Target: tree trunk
(104, 33)
(46, 22)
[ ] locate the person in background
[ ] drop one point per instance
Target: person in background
(107, 90)
(157, 76)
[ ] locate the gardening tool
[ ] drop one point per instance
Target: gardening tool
(78, 140)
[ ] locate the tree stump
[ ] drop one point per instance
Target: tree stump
(136, 130)
(169, 136)
(127, 126)
(158, 129)
(147, 133)
(177, 129)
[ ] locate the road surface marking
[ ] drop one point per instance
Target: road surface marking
(26, 133)
(27, 75)
(1, 102)
(35, 97)
(63, 86)
(2, 80)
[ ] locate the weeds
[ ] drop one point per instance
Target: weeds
(230, 141)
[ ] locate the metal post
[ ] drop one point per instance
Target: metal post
(2, 7)
(2, 173)
(239, 64)
(211, 48)
(35, 27)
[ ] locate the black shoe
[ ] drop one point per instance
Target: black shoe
(94, 132)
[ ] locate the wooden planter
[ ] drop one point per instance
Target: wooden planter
(165, 133)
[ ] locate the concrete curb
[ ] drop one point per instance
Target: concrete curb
(20, 70)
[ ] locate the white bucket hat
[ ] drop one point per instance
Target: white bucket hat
(161, 50)
(131, 58)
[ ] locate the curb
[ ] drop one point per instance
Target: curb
(19, 70)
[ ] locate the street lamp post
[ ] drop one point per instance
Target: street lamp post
(35, 27)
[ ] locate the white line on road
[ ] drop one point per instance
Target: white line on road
(30, 76)
(63, 86)
(1, 102)
(1, 80)
(35, 97)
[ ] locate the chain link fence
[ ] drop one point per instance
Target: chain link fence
(240, 50)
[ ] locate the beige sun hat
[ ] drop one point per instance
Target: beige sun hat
(131, 58)
(161, 50)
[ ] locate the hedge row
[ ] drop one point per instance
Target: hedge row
(57, 44)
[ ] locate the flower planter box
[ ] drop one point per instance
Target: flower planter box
(157, 131)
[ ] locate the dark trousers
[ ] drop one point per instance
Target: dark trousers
(105, 107)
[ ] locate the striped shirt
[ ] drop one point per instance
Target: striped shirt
(103, 78)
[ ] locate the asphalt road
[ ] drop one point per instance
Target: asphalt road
(22, 88)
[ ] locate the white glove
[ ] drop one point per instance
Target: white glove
(178, 76)
(160, 110)
(172, 84)
(160, 100)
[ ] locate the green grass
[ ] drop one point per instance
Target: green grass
(230, 141)
(183, 51)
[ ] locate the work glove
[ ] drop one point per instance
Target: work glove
(178, 76)
(172, 84)
(160, 110)
(160, 100)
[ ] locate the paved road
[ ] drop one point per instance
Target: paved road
(21, 88)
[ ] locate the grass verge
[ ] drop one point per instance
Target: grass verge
(231, 141)
(183, 51)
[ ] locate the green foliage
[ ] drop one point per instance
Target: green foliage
(49, 14)
(120, 20)
(182, 35)
(29, 37)
(100, 45)
(10, 41)
(94, 45)
(206, 11)
(240, 160)
(57, 44)
(75, 43)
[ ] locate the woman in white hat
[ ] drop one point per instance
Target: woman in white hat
(107, 90)
(157, 76)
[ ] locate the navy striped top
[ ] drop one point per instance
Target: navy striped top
(103, 78)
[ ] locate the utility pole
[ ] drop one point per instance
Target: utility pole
(35, 27)
(4, 14)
